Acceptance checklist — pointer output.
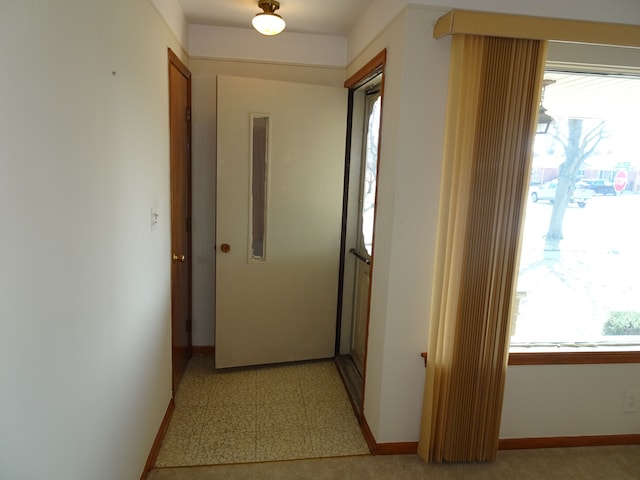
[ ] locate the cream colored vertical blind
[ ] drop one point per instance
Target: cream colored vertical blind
(494, 88)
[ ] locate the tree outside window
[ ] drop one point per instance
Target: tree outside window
(579, 278)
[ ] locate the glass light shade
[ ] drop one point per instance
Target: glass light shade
(268, 23)
(544, 120)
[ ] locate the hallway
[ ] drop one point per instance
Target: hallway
(283, 412)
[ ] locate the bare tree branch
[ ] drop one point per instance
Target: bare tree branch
(578, 146)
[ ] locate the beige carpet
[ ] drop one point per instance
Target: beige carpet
(584, 463)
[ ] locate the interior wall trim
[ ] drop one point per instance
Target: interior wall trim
(404, 448)
(392, 448)
(203, 350)
(155, 448)
(536, 28)
(397, 448)
(368, 436)
(559, 442)
(572, 358)
(367, 71)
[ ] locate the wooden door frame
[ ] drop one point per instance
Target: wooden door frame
(373, 68)
(174, 61)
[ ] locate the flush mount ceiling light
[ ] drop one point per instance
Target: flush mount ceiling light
(268, 22)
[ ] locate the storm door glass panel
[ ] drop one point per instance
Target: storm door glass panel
(369, 173)
(259, 169)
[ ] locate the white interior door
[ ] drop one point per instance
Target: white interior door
(279, 197)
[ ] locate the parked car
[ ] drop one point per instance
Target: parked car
(547, 191)
(598, 186)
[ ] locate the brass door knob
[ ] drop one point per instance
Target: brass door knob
(178, 258)
(225, 248)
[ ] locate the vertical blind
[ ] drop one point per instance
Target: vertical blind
(494, 88)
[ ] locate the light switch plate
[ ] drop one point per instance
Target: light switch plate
(631, 400)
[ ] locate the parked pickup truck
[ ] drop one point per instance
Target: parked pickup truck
(547, 191)
(598, 186)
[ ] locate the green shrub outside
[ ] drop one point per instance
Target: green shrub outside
(622, 323)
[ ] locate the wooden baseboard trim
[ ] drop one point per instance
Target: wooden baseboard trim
(403, 448)
(155, 448)
(399, 448)
(572, 358)
(368, 436)
(203, 350)
(558, 442)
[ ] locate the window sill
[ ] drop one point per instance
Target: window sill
(573, 358)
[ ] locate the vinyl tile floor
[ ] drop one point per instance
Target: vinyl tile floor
(285, 412)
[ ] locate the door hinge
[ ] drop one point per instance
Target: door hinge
(188, 114)
(188, 225)
(189, 325)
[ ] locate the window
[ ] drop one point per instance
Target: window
(370, 166)
(259, 185)
(578, 286)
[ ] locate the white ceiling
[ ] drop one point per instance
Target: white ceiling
(608, 96)
(324, 17)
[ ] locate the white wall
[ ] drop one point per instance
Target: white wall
(408, 191)
(537, 400)
(228, 43)
(173, 15)
(415, 100)
(85, 362)
(383, 12)
(568, 400)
